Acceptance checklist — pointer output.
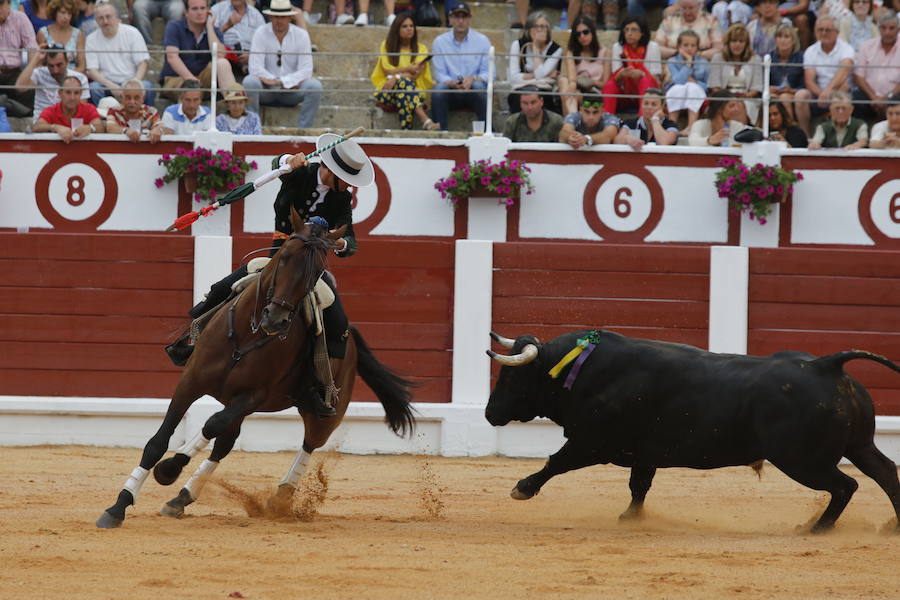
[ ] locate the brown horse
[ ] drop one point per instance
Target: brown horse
(253, 361)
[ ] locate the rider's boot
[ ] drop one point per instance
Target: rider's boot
(180, 350)
(312, 399)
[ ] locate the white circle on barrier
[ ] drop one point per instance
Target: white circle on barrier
(623, 202)
(366, 201)
(76, 191)
(885, 208)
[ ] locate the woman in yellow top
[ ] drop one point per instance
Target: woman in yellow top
(401, 71)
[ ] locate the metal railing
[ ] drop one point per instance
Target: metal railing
(765, 99)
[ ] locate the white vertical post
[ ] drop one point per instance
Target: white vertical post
(486, 216)
(473, 285)
(489, 114)
(214, 85)
(729, 276)
(752, 233)
(767, 68)
(212, 262)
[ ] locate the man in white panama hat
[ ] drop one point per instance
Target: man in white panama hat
(281, 65)
(321, 189)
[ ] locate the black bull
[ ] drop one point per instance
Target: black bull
(647, 404)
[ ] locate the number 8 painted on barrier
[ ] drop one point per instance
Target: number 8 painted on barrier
(894, 208)
(75, 190)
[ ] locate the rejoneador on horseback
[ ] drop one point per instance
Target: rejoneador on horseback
(274, 334)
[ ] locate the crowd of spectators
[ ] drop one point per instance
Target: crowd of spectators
(700, 72)
(704, 66)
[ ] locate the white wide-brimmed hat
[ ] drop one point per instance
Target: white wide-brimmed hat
(347, 160)
(281, 8)
(106, 103)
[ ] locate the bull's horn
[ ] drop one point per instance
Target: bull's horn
(528, 354)
(505, 342)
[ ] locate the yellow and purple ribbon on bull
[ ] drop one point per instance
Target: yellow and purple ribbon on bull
(579, 354)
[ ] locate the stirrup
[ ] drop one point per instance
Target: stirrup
(322, 410)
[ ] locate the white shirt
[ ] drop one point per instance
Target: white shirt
(47, 93)
(296, 56)
(542, 73)
(879, 130)
(242, 33)
(118, 57)
(175, 119)
(827, 64)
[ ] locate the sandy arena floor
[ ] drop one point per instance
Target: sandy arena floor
(398, 527)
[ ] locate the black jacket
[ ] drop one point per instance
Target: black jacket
(298, 189)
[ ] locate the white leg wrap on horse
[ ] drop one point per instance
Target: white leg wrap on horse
(196, 444)
(301, 461)
(198, 479)
(136, 480)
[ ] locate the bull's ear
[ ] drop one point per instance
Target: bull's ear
(296, 222)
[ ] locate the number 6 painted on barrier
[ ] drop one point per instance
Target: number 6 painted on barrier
(894, 208)
(621, 206)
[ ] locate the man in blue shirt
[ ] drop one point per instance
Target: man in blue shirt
(460, 63)
(195, 32)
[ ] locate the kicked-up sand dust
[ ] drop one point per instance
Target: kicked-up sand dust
(398, 527)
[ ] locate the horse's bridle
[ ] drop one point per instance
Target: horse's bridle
(271, 298)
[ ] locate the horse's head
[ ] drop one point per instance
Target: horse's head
(293, 271)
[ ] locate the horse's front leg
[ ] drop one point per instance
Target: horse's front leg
(167, 471)
(282, 497)
(154, 449)
(191, 490)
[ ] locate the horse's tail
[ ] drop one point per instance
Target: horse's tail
(392, 390)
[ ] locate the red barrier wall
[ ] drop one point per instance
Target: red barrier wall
(399, 294)
(823, 301)
(88, 315)
(641, 291)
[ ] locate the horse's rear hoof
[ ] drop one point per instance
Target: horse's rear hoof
(175, 507)
(108, 521)
(168, 510)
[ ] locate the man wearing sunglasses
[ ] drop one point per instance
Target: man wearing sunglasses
(590, 125)
(281, 65)
(46, 72)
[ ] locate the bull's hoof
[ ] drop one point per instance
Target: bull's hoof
(175, 507)
(518, 494)
(109, 521)
(167, 471)
(820, 528)
(632, 514)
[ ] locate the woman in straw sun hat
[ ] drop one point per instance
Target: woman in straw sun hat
(238, 120)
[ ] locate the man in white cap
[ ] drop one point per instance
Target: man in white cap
(318, 189)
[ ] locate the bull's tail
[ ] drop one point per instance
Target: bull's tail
(392, 390)
(836, 361)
